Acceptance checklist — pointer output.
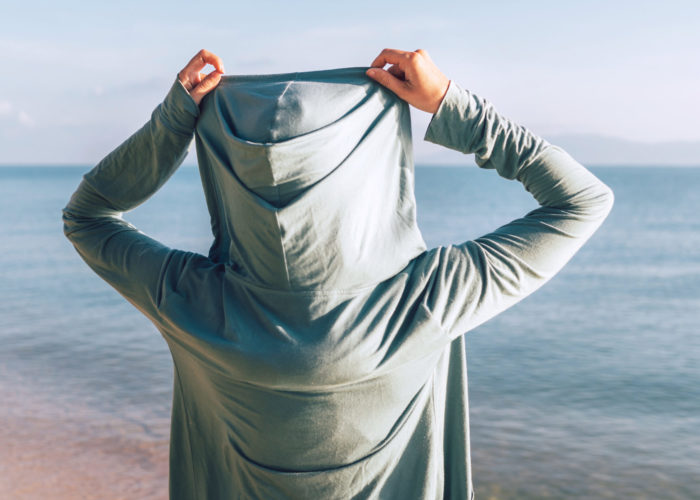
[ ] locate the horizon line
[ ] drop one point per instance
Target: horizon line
(416, 164)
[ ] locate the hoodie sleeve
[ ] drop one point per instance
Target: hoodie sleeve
(127, 259)
(476, 280)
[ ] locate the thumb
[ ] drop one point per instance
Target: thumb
(206, 86)
(387, 79)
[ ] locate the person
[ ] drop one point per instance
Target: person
(319, 349)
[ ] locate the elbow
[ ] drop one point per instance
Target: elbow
(599, 206)
(607, 199)
(599, 202)
(72, 218)
(80, 212)
(594, 203)
(68, 222)
(69, 217)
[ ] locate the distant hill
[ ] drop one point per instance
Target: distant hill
(601, 150)
(589, 149)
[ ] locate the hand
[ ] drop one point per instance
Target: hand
(413, 77)
(200, 84)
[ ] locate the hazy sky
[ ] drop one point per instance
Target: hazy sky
(79, 77)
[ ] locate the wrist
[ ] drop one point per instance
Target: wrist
(178, 110)
(441, 96)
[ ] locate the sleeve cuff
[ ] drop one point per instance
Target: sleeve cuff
(178, 110)
(446, 127)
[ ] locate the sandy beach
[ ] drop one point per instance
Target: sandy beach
(73, 453)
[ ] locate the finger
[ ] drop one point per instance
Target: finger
(206, 85)
(425, 54)
(397, 72)
(192, 80)
(212, 59)
(387, 79)
(390, 56)
(185, 80)
(195, 64)
(201, 59)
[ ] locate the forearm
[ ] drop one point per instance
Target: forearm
(138, 167)
(470, 124)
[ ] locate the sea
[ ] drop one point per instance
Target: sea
(587, 389)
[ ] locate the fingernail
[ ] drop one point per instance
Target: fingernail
(371, 72)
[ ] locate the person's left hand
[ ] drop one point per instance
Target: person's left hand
(200, 84)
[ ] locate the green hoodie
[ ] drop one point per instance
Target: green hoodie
(318, 348)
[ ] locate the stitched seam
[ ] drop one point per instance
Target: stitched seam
(284, 253)
(275, 117)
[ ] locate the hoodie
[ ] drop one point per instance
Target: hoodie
(319, 348)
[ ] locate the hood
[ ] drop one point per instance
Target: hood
(309, 179)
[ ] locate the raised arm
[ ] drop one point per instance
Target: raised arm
(472, 282)
(127, 259)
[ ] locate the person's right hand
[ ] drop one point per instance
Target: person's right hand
(413, 77)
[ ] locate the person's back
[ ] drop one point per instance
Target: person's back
(319, 349)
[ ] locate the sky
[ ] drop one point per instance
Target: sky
(618, 81)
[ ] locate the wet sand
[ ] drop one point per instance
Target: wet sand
(68, 453)
(60, 460)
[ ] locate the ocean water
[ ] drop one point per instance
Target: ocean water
(588, 388)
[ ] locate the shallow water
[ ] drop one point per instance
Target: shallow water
(589, 388)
